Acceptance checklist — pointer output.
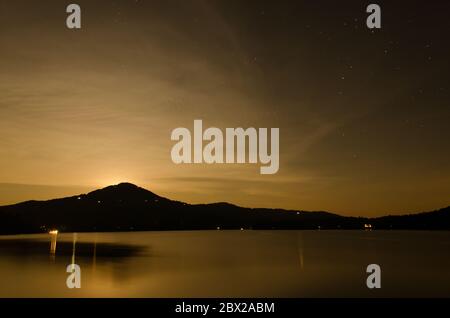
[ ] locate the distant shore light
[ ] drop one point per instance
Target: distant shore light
(53, 232)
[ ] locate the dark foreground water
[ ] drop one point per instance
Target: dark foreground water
(227, 264)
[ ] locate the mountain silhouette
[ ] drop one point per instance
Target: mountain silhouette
(127, 207)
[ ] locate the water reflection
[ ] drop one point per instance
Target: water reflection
(54, 237)
(73, 250)
(226, 264)
(101, 251)
(300, 249)
(94, 257)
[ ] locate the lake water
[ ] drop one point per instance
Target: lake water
(227, 264)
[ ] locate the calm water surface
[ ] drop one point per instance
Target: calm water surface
(227, 264)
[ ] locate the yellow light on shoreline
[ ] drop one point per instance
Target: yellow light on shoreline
(53, 232)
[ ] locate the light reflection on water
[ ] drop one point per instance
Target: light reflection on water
(226, 264)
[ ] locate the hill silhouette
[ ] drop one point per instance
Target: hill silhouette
(127, 207)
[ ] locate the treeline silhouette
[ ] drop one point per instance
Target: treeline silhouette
(127, 207)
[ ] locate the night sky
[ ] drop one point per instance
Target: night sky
(363, 114)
